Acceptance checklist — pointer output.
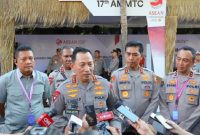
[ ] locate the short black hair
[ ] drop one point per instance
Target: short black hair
(118, 50)
(22, 48)
(135, 44)
(97, 51)
(58, 49)
(79, 50)
(66, 47)
(114, 50)
(188, 48)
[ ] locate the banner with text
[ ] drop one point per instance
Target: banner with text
(156, 32)
(134, 7)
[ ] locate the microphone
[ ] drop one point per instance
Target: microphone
(103, 119)
(74, 123)
(105, 116)
(45, 120)
(90, 115)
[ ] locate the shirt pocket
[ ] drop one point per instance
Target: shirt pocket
(37, 95)
(125, 91)
(170, 95)
(147, 90)
(192, 96)
(16, 95)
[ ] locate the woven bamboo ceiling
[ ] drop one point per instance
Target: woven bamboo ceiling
(52, 13)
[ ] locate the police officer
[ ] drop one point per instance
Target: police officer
(55, 61)
(99, 64)
(179, 94)
(196, 66)
(114, 63)
(64, 72)
(135, 85)
(22, 92)
(82, 90)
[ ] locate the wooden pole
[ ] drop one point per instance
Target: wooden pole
(124, 27)
(171, 29)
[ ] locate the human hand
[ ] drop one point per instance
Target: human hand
(114, 131)
(85, 125)
(177, 129)
(142, 128)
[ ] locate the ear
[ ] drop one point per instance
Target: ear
(15, 61)
(72, 66)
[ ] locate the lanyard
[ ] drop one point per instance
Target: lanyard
(28, 97)
(179, 91)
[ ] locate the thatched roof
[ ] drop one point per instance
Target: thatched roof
(49, 13)
(184, 9)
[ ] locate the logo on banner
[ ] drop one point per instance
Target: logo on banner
(58, 42)
(156, 3)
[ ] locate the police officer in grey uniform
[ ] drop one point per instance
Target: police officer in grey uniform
(99, 64)
(114, 64)
(82, 90)
(55, 61)
(22, 92)
(64, 72)
(135, 85)
(179, 93)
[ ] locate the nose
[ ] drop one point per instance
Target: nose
(68, 58)
(86, 68)
(181, 62)
(131, 57)
(29, 60)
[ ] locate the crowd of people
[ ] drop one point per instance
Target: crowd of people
(79, 83)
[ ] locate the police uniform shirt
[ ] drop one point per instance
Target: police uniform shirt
(188, 106)
(74, 97)
(137, 90)
(57, 77)
(54, 63)
(114, 64)
(16, 103)
(99, 64)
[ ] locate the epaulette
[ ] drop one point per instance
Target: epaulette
(56, 70)
(171, 73)
(120, 69)
(98, 77)
(68, 81)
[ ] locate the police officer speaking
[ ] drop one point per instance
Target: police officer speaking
(83, 89)
(135, 85)
(179, 94)
(64, 72)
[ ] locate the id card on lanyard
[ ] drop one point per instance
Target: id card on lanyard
(30, 117)
(175, 114)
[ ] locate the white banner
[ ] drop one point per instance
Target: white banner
(134, 7)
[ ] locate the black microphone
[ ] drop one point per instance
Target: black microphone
(91, 115)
